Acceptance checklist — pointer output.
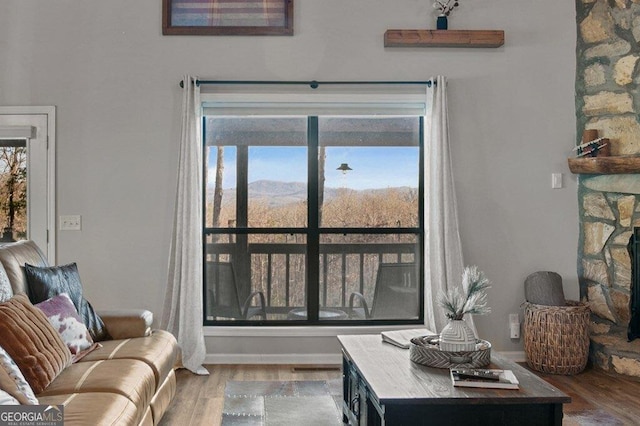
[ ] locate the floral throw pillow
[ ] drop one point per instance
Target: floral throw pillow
(12, 380)
(62, 315)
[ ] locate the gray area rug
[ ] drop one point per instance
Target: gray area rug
(277, 403)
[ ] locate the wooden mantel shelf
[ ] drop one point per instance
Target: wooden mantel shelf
(605, 165)
(443, 38)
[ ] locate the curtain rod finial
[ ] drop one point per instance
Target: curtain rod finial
(196, 82)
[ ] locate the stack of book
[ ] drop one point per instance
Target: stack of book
(484, 378)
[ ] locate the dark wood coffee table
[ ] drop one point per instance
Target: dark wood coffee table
(382, 386)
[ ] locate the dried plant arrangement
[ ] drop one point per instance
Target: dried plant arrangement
(474, 301)
(445, 7)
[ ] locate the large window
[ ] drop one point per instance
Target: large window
(313, 215)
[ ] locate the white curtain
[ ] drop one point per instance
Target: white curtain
(182, 314)
(443, 257)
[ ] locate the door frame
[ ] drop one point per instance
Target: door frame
(50, 112)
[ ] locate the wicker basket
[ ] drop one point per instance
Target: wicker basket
(556, 338)
(426, 351)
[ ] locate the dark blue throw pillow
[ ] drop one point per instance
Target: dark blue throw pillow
(45, 283)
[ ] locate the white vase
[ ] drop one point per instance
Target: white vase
(457, 336)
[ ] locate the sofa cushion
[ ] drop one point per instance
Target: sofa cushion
(46, 282)
(159, 351)
(127, 323)
(62, 315)
(34, 345)
(13, 257)
(130, 378)
(12, 380)
(163, 397)
(95, 408)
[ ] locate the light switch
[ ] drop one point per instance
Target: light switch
(71, 223)
(556, 180)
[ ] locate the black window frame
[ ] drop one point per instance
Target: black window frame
(313, 233)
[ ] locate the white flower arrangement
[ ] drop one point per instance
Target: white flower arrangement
(445, 7)
(456, 305)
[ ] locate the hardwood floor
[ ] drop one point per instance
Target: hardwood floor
(200, 399)
(597, 398)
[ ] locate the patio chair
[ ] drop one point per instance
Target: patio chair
(395, 296)
(223, 298)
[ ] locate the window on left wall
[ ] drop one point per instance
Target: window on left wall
(13, 190)
(27, 176)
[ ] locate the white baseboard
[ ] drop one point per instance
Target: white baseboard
(318, 359)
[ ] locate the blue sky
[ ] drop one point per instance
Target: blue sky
(373, 167)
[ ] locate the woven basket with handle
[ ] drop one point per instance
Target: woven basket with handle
(556, 338)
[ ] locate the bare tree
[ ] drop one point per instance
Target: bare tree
(322, 156)
(13, 189)
(217, 191)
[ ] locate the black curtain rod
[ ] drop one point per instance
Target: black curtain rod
(313, 84)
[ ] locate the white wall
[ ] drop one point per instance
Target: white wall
(114, 80)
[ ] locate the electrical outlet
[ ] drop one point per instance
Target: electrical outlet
(514, 326)
(514, 330)
(71, 223)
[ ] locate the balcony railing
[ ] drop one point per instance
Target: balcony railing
(278, 270)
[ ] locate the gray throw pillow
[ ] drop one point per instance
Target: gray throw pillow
(544, 288)
(46, 282)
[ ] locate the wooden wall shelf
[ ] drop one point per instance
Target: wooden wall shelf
(605, 165)
(443, 38)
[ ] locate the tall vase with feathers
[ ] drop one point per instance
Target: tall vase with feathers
(457, 336)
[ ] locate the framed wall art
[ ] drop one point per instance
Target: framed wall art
(227, 17)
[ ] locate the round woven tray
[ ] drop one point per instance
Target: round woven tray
(425, 350)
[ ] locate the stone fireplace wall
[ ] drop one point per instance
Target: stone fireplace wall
(608, 100)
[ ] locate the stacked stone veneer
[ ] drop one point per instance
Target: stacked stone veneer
(608, 99)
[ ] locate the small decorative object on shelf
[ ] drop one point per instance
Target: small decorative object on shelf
(457, 335)
(444, 7)
(442, 23)
(592, 145)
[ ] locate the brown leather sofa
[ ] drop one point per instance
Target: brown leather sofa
(130, 380)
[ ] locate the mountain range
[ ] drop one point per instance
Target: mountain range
(278, 193)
